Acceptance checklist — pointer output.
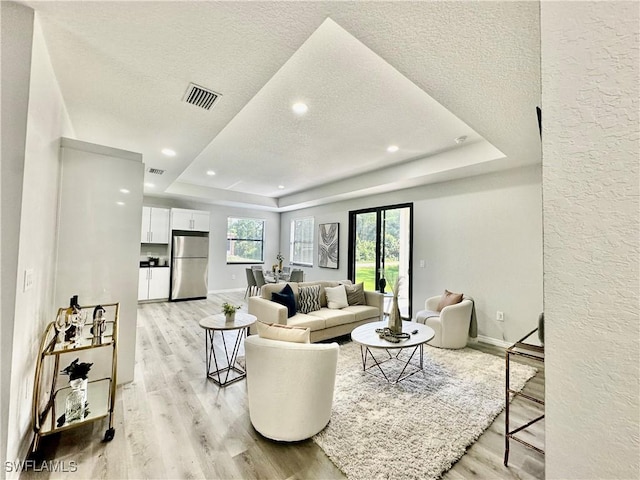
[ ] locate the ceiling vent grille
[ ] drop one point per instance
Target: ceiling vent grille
(156, 171)
(201, 97)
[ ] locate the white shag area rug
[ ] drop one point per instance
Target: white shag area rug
(418, 428)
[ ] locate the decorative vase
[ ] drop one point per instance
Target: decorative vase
(76, 400)
(541, 328)
(230, 317)
(383, 284)
(395, 320)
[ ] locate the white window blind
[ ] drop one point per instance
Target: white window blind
(302, 241)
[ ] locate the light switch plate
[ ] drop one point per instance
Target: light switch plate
(28, 279)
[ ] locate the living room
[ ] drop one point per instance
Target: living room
(482, 235)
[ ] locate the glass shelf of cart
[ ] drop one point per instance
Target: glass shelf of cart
(529, 346)
(87, 341)
(98, 401)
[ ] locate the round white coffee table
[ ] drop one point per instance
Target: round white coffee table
(368, 338)
(218, 323)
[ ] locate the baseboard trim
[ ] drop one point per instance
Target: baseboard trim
(493, 341)
(227, 290)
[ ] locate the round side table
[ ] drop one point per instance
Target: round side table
(217, 323)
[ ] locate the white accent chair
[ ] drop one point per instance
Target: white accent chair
(451, 324)
(289, 386)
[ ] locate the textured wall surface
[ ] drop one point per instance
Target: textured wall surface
(590, 59)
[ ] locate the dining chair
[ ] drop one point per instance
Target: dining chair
(296, 276)
(251, 282)
(259, 277)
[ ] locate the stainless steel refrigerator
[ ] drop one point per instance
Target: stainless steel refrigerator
(189, 265)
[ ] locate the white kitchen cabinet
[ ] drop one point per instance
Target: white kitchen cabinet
(153, 283)
(155, 225)
(143, 284)
(190, 220)
(200, 221)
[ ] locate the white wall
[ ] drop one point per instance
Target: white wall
(590, 73)
(221, 275)
(47, 120)
(481, 236)
(16, 43)
(98, 251)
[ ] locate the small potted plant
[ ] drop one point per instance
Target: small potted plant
(280, 259)
(230, 311)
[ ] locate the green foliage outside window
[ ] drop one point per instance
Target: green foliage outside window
(245, 240)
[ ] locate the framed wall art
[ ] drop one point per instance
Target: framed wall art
(328, 245)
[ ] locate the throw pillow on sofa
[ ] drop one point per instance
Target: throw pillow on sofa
(449, 298)
(336, 297)
(284, 333)
(309, 299)
(286, 297)
(355, 294)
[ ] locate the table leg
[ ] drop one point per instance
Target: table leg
(365, 352)
(506, 412)
(230, 357)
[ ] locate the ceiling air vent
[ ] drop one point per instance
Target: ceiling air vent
(201, 97)
(156, 171)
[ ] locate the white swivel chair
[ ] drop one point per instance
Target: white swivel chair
(289, 386)
(451, 324)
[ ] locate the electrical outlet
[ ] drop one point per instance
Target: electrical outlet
(28, 279)
(422, 264)
(500, 316)
(233, 276)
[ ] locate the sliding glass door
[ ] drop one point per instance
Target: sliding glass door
(380, 251)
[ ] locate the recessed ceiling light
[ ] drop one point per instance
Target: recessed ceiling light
(281, 187)
(168, 152)
(149, 185)
(124, 190)
(120, 203)
(210, 172)
(460, 139)
(300, 108)
(392, 148)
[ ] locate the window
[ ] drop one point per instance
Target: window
(302, 241)
(245, 240)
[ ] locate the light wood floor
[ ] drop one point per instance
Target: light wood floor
(171, 422)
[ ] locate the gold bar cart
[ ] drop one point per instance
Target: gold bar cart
(49, 390)
(525, 349)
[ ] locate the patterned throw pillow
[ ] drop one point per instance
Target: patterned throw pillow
(309, 299)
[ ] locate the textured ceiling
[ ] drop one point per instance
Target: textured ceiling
(373, 74)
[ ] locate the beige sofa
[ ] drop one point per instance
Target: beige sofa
(324, 323)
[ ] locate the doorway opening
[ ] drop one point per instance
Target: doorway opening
(381, 251)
